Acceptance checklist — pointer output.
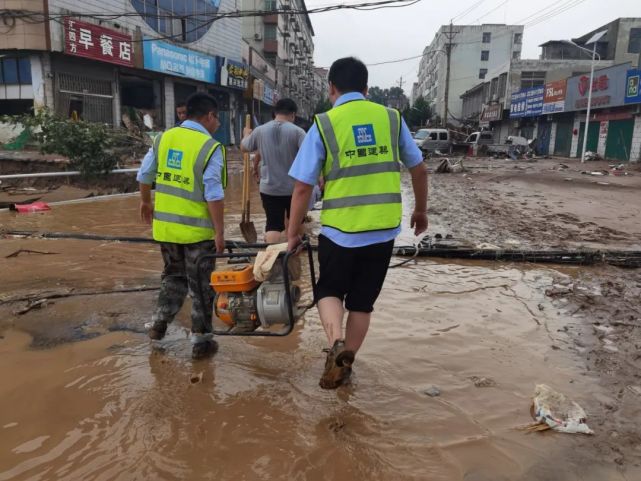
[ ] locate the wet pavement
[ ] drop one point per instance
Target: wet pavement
(83, 396)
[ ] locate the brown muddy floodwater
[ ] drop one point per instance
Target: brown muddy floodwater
(83, 396)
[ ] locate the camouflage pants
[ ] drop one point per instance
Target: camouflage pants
(179, 277)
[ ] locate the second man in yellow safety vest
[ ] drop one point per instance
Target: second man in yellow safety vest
(189, 169)
(358, 147)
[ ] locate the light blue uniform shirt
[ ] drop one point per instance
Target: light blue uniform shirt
(309, 163)
(211, 177)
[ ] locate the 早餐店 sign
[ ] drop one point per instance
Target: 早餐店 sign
(167, 58)
(608, 88)
(633, 87)
(527, 102)
(554, 97)
(87, 40)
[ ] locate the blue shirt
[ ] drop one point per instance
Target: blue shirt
(211, 177)
(309, 163)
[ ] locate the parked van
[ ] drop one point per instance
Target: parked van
(431, 140)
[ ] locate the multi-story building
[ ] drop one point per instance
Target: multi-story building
(546, 98)
(475, 51)
(129, 58)
(320, 83)
(286, 41)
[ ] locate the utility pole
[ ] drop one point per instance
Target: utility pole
(448, 52)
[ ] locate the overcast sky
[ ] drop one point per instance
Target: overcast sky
(390, 34)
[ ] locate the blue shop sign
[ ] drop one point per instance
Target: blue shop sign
(527, 102)
(167, 58)
(632, 87)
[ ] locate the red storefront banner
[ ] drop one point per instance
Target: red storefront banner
(87, 40)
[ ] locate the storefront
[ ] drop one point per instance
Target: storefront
(611, 124)
(188, 72)
(526, 105)
(229, 94)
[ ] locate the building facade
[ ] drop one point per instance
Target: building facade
(286, 41)
(476, 50)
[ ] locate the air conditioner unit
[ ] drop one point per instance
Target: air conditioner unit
(258, 36)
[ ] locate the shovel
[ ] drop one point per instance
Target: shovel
(247, 228)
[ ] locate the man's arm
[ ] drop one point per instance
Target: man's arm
(248, 144)
(419, 184)
(305, 170)
(214, 195)
(413, 159)
(256, 169)
(146, 176)
(217, 214)
(298, 211)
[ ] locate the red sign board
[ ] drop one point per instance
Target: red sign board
(87, 40)
(602, 82)
(554, 91)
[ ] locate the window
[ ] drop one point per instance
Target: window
(433, 136)
(485, 55)
(270, 32)
(634, 45)
(487, 37)
(482, 73)
(494, 87)
(518, 38)
(532, 79)
(15, 71)
(442, 136)
(502, 85)
(271, 5)
(516, 55)
(184, 20)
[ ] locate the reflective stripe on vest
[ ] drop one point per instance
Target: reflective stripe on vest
(183, 219)
(370, 199)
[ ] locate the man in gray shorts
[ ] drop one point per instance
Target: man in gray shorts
(277, 142)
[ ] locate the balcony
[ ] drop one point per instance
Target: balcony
(270, 46)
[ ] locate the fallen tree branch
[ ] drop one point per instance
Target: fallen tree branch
(29, 251)
(37, 297)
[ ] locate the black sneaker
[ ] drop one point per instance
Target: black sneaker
(338, 366)
(204, 349)
(157, 331)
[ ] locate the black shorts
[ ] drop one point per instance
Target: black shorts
(276, 207)
(353, 274)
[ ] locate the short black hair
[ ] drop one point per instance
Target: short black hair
(285, 107)
(200, 104)
(348, 75)
(181, 104)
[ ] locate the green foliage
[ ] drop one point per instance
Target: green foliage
(392, 97)
(86, 144)
(322, 106)
(418, 114)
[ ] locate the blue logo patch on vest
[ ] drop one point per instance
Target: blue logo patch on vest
(364, 135)
(174, 159)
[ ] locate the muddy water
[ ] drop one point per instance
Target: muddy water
(109, 408)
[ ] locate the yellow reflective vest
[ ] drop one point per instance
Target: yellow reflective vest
(361, 170)
(181, 215)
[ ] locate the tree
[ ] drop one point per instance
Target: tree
(418, 114)
(322, 106)
(378, 95)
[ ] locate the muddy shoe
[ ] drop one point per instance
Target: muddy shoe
(204, 349)
(157, 331)
(338, 366)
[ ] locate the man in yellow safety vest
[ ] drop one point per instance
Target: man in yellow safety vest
(358, 147)
(189, 169)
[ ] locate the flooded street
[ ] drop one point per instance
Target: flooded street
(84, 397)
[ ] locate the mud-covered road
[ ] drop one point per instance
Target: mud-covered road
(82, 395)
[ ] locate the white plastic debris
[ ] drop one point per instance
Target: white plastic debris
(558, 412)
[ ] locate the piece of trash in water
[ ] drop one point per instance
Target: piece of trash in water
(603, 183)
(196, 378)
(487, 246)
(28, 208)
(553, 410)
(432, 391)
(483, 381)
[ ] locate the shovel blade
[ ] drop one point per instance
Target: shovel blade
(248, 230)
